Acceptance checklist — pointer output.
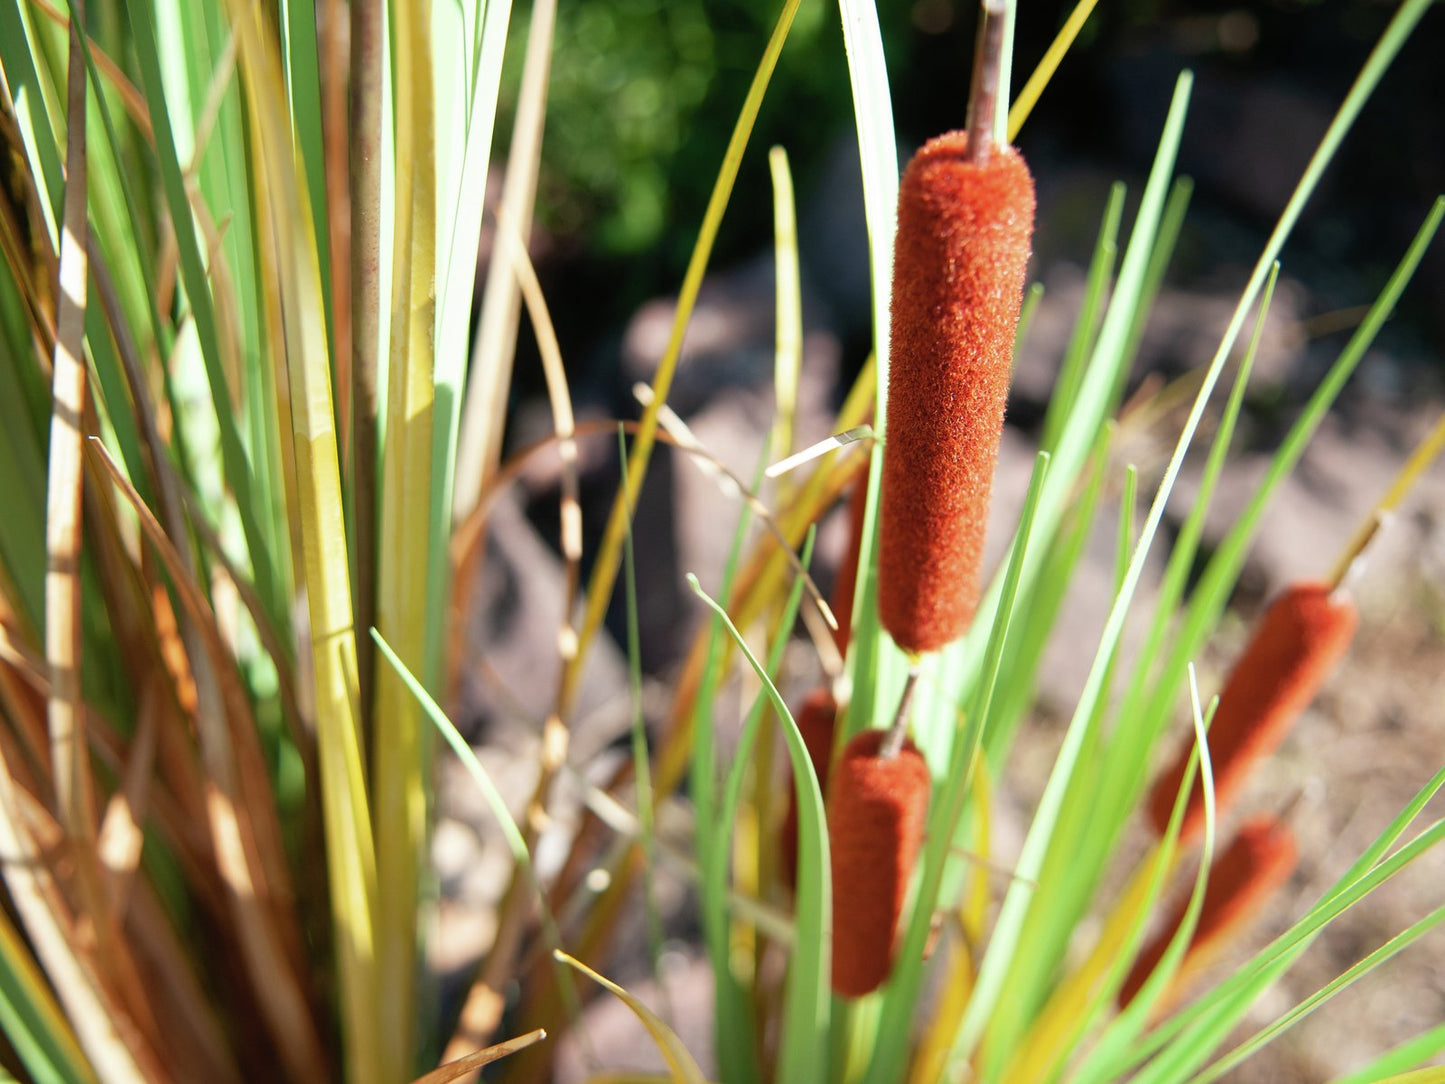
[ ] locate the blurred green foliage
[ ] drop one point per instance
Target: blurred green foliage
(642, 99)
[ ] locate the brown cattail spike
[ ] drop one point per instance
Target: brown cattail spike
(817, 722)
(964, 231)
(877, 808)
(1260, 859)
(1302, 636)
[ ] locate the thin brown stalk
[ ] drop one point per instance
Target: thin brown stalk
(480, 1015)
(284, 1003)
(192, 1043)
(14, 652)
(757, 583)
(191, 658)
(23, 739)
(69, 748)
(468, 1064)
(195, 1041)
(984, 90)
(119, 843)
(130, 96)
(173, 498)
(466, 547)
(733, 486)
(116, 1052)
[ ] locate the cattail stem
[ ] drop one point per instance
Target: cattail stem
(987, 72)
(1351, 564)
(1424, 454)
(893, 739)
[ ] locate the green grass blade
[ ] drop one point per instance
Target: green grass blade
(704, 783)
(998, 962)
(405, 556)
(1170, 226)
(1209, 1021)
(460, 207)
(1389, 949)
(1078, 865)
(1186, 545)
(641, 761)
(511, 833)
(237, 467)
(31, 1020)
(807, 1007)
(1397, 1064)
(736, 1038)
(879, 667)
(1241, 985)
(878, 151)
(1033, 89)
(1035, 615)
(1093, 402)
(1086, 325)
(300, 60)
(946, 819)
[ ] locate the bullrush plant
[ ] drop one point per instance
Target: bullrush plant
(245, 470)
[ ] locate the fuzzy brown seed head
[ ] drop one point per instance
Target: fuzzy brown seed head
(962, 250)
(1299, 640)
(1261, 858)
(877, 808)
